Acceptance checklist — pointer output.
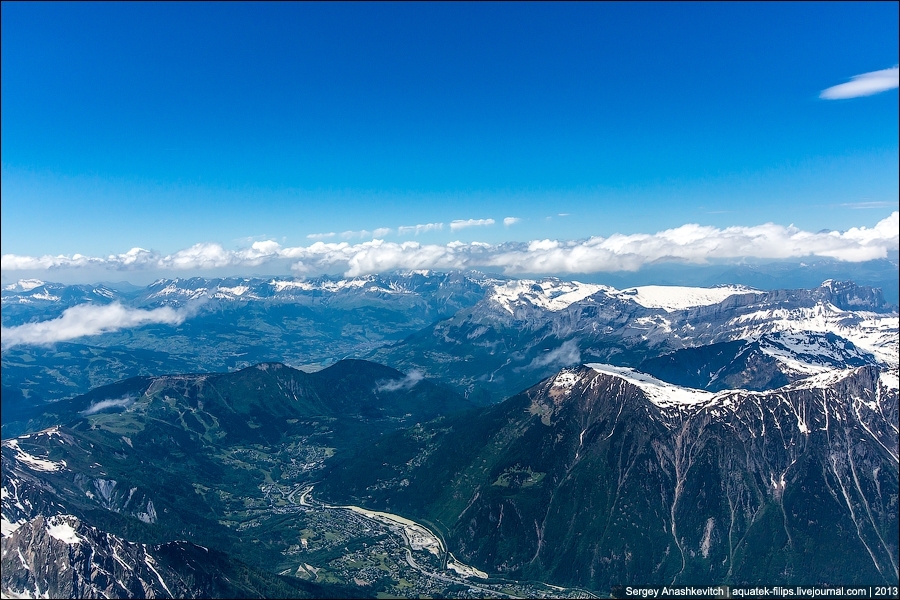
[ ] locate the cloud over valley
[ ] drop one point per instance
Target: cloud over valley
(89, 319)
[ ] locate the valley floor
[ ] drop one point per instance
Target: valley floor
(352, 544)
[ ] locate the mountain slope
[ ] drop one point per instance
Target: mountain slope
(600, 475)
(766, 363)
(200, 457)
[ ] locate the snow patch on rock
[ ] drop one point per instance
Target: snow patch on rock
(61, 529)
(33, 462)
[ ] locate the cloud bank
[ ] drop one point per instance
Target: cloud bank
(690, 243)
(89, 319)
(864, 85)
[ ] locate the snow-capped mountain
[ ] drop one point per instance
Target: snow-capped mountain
(437, 290)
(768, 362)
(443, 293)
(35, 300)
(523, 329)
(60, 557)
(552, 294)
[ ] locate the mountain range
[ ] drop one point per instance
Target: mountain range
(540, 432)
(450, 326)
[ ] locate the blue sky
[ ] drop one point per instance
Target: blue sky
(163, 126)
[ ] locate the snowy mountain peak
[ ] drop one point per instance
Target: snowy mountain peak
(811, 353)
(549, 294)
(23, 285)
(662, 394)
(671, 297)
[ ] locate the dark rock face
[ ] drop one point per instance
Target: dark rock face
(61, 557)
(590, 479)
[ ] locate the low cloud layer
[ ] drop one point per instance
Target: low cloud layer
(864, 85)
(89, 319)
(690, 243)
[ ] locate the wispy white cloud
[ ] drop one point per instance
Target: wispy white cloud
(421, 228)
(689, 243)
(321, 236)
(89, 319)
(565, 355)
(96, 407)
(873, 204)
(365, 233)
(408, 382)
(864, 85)
(511, 221)
(462, 224)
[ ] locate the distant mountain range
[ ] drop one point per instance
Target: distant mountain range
(522, 331)
(237, 323)
(488, 336)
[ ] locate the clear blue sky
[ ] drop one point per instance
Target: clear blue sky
(164, 125)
